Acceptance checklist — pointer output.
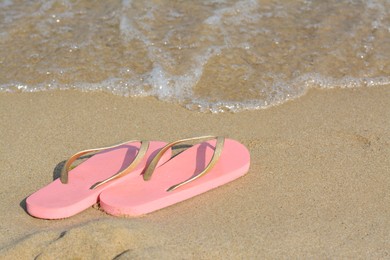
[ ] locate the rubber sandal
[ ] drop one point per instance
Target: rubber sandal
(79, 189)
(196, 170)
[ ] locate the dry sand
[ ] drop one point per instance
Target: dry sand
(318, 185)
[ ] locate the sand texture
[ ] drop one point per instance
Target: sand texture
(318, 186)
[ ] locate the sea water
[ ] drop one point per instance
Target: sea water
(209, 55)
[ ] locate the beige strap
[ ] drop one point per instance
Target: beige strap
(141, 153)
(217, 153)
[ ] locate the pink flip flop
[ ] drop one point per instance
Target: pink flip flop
(196, 170)
(80, 189)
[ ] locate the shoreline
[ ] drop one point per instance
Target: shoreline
(317, 187)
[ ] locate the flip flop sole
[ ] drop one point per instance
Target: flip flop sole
(58, 200)
(137, 197)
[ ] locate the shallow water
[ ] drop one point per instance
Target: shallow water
(206, 55)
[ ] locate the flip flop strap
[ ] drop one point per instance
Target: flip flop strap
(140, 155)
(217, 153)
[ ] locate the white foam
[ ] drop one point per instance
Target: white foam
(229, 26)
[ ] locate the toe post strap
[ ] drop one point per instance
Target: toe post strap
(217, 153)
(140, 155)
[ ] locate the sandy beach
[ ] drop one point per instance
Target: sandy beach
(304, 85)
(318, 185)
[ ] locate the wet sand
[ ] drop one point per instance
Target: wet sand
(318, 186)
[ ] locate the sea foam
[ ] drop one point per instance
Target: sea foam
(206, 55)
